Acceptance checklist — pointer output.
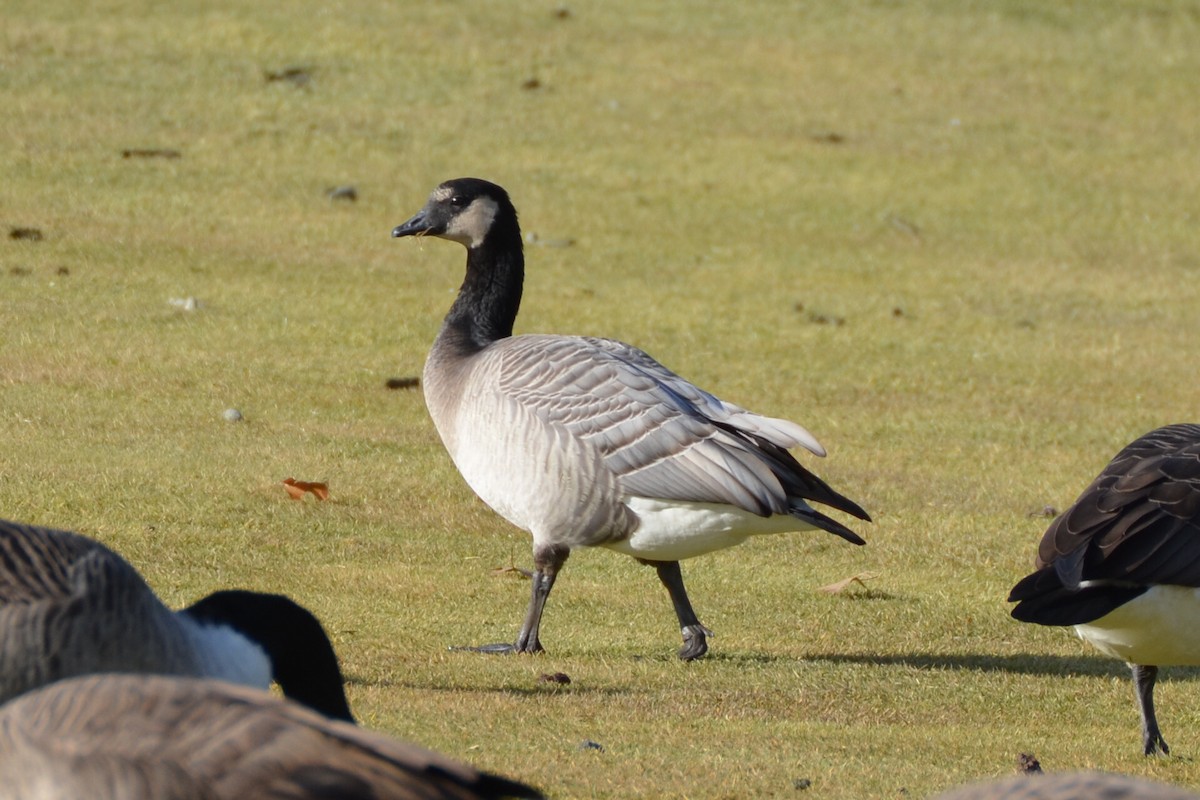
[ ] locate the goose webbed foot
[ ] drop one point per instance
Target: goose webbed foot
(695, 642)
(548, 561)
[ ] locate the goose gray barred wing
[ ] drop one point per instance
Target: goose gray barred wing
(661, 435)
(780, 432)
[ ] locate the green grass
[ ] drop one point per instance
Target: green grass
(997, 199)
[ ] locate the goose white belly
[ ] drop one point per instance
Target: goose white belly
(1160, 627)
(672, 530)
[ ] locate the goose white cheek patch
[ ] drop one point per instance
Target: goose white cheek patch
(471, 227)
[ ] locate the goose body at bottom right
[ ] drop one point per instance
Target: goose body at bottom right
(1068, 786)
(1122, 564)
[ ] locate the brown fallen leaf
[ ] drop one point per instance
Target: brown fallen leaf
(297, 489)
(28, 234)
(839, 587)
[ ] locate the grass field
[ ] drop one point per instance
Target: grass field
(956, 240)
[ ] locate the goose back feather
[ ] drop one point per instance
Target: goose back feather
(146, 737)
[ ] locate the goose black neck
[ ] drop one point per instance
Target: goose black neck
(490, 296)
(303, 662)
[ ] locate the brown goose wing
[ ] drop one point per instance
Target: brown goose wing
(1136, 525)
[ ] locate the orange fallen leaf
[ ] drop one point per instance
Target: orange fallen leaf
(839, 587)
(297, 489)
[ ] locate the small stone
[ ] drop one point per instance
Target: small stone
(800, 784)
(232, 415)
(185, 303)
(588, 744)
(560, 678)
(342, 193)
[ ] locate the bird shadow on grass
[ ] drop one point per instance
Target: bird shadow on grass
(534, 688)
(1020, 664)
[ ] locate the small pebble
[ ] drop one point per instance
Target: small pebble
(342, 193)
(232, 415)
(588, 744)
(561, 678)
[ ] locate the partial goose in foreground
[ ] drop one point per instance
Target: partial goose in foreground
(71, 606)
(1069, 786)
(1123, 564)
(151, 737)
(589, 442)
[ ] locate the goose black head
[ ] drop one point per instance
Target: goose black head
(303, 661)
(464, 210)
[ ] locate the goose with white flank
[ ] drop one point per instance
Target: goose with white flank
(1122, 564)
(587, 442)
(71, 606)
(156, 737)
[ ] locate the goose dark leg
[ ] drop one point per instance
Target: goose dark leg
(694, 642)
(1143, 685)
(547, 561)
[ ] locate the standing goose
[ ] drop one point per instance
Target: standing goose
(70, 606)
(589, 442)
(152, 737)
(1123, 564)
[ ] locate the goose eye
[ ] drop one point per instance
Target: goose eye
(458, 200)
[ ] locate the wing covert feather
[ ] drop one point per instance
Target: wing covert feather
(662, 436)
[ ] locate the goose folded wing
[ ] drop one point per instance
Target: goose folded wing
(1138, 523)
(780, 432)
(660, 434)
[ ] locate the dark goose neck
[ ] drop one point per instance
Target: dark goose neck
(490, 296)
